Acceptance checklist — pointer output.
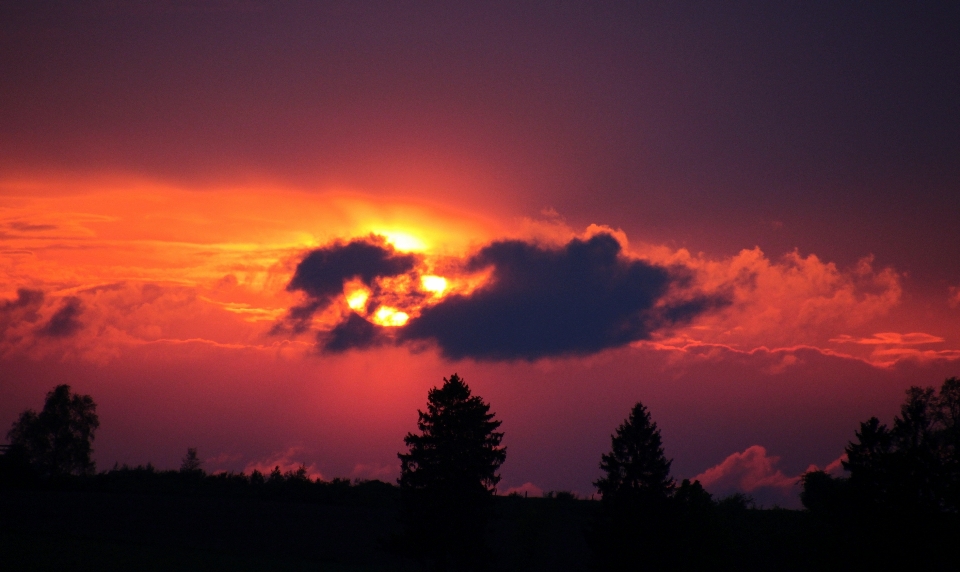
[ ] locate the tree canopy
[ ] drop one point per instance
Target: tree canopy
(58, 440)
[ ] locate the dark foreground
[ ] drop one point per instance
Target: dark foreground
(101, 531)
(129, 530)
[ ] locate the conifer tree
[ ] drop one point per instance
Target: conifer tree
(636, 463)
(449, 475)
(640, 525)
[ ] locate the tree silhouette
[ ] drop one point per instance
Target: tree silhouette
(637, 525)
(915, 466)
(900, 505)
(449, 475)
(57, 441)
(636, 464)
(191, 462)
(642, 523)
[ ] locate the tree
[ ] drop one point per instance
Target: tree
(449, 475)
(915, 465)
(900, 503)
(191, 462)
(645, 521)
(57, 441)
(636, 465)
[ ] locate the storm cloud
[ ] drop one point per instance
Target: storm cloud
(540, 302)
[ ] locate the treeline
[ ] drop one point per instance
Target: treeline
(911, 468)
(900, 503)
(295, 486)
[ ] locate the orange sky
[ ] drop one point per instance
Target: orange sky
(232, 252)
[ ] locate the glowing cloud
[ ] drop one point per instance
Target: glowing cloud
(891, 338)
(752, 471)
(402, 241)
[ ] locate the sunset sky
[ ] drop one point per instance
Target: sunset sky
(266, 229)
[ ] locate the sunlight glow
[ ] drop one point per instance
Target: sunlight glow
(356, 294)
(402, 241)
(357, 300)
(391, 317)
(435, 284)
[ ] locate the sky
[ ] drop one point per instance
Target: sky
(267, 229)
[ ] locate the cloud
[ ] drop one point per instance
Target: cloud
(65, 321)
(891, 338)
(287, 461)
(539, 302)
(354, 332)
(834, 468)
(322, 273)
(98, 323)
(954, 297)
(892, 347)
(510, 300)
(792, 300)
(17, 318)
(890, 356)
(23, 308)
(752, 471)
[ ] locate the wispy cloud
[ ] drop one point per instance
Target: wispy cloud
(891, 338)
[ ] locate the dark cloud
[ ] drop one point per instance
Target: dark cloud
(321, 274)
(65, 321)
(30, 227)
(580, 299)
(354, 332)
(23, 308)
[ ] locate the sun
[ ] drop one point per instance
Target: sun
(436, 285)
(403, 241)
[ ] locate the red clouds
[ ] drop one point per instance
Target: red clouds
(751, 471)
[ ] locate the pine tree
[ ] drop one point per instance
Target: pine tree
(449, 475)
(191, 462)
(640, 525)
(636, 463)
